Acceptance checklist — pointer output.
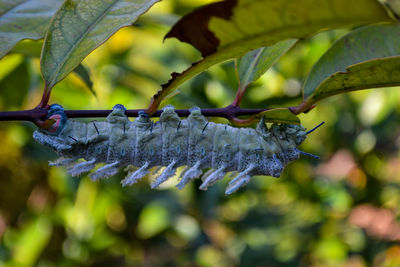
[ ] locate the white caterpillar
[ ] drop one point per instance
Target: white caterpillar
(171, 142)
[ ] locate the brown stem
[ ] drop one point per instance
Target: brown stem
(153, 106)
(243, 122)
(23, 115)
(45, 97)
(239, 96)
(303, 107)
(33, 115)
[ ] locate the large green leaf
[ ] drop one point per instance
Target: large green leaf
(231, 28)
(79, 27)
(382, 72)
(251, 66)
(368, 57)
(24, 19)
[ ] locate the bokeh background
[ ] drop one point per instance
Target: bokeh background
(342, 210)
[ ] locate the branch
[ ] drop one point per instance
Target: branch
(36, 114)
(304, 107)
(239, 95)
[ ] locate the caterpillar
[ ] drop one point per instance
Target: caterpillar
(170, 142)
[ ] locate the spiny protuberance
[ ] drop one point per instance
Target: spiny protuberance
(170, 143)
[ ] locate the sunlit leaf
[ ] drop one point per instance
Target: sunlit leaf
(368, 57)
(231, 28)
(24, 19)
(382, 72)
(79, 27)
(17, 78)
(9, 64)
(31, 242)
(255, 63)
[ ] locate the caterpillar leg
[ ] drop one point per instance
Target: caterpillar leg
(192, 173)
(206, 174)
(241, 180)
(232, 188)
(212, 178)
(82, 167)
(183, 172)
(165, 175)
(62, 162)
(105, 171)
(135, 176)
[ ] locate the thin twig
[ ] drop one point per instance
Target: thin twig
(228, 112)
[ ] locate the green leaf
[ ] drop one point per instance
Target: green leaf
(79, 27)
(28, 48)
(231, 28)
(279, 115)
(83, 73)
(255, 63)
(24, 19)
(368, 57)
(394, 7)
(31, 241)
(16, 79)
(382, 72)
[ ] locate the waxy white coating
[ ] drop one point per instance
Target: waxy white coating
(171, 142)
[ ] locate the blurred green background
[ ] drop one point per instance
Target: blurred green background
(342, 210)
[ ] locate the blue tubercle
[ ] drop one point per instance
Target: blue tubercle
(143, 114)
(119, 106)
(55, 108)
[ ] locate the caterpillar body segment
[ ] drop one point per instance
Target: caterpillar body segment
(171, 142)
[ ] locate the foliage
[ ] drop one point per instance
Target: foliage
(365, 58)
(24, 19)
(237, 27)
(78, 28)
(340, 211)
